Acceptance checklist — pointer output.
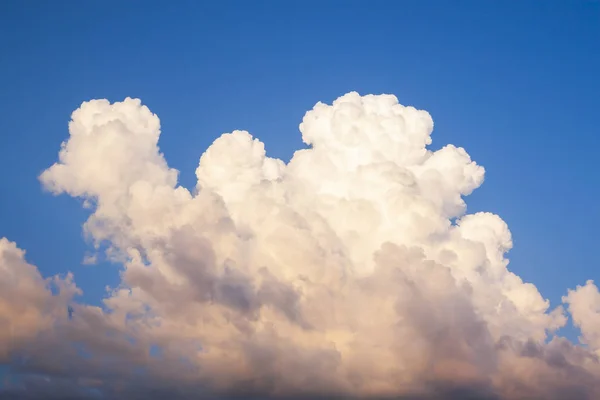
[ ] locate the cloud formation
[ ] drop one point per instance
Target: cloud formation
(340, 273)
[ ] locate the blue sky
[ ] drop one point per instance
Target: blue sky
(514, 82)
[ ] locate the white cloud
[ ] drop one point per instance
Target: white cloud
(27, 305)
(337, 273)
(584, 306)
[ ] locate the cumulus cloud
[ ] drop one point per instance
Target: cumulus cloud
(584, 306)
(340, 273)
